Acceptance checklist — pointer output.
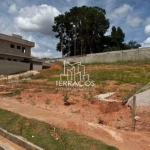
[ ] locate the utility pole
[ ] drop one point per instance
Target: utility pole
(68, 43)
(133, 112)
(62, 44)
(74, 36)
(81, 46)
(75, 40)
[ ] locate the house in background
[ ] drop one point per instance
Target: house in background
(15, 55)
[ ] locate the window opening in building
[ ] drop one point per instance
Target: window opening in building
(18, 47)
(12, 46)
(9, 59)
(23, 49)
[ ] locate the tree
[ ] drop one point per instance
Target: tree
(132, 44)
(120, 35)
(114, 34)
(81, 30)
(117, 38)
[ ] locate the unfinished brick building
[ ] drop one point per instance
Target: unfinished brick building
(15, 55)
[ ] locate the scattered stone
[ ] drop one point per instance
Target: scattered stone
(2, 76)
(105, 97)
(137, 118)
(26, 79)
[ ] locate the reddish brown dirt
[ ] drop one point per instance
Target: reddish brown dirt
(54, 67)
(84, 121)
(108, 121)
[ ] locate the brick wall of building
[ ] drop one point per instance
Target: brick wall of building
(12, 67)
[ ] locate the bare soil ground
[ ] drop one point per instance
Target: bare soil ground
(110, 122)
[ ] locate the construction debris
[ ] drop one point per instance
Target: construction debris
(19, 76)
(105, 97)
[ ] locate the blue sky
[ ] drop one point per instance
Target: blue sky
(33, 20)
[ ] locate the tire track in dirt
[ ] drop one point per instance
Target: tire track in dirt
(124, 140)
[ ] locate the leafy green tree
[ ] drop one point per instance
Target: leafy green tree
(81, 30)
(117, 38)
(132, 44)
(120, 35)
(114, 34)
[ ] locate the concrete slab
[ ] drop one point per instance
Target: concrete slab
(142, 99)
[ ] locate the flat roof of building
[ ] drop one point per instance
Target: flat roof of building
(16, 39)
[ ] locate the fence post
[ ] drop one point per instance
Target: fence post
(133, 112)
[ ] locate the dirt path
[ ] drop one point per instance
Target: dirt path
(124, 140)
(5, 144)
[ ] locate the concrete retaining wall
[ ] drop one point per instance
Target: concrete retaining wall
(37, 66)
(12, 67)
(19, 140)
(121, 55)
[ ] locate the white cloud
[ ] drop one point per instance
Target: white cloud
(38, 50)
(121, 12)
(123, 9)
(40, 54)
(45, 54)
(68, 0)
(37, 18)
(147, 29)
(30, 38)
(146, 43)
(8, 28)
(134, 21)
(109, 5)
(13, 9)
(82, 2)
(2, 27)
(147, 20)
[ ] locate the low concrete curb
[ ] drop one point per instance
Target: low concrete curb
(19, 140)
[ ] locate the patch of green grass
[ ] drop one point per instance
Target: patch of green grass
(131, 72)
(132, 76)
(39, 76)
(8, 94)
(45, 136)
(66, 96)
(100, 89)
(17, 91)
(48, 74)
(48, 101)
(54, 79)
(38, 90)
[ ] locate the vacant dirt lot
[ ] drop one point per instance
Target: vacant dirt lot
(110, 122)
